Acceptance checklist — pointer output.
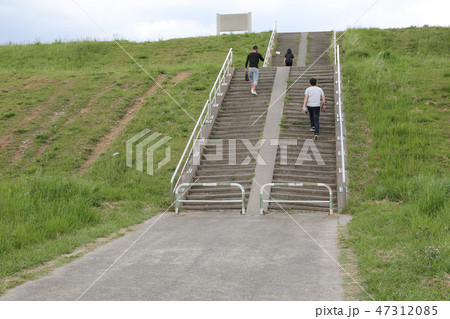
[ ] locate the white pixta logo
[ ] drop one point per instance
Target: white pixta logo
(308, 148)
(145, 143)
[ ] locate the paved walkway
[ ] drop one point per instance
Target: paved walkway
(205, 256)
(302, 50)
(268, 151)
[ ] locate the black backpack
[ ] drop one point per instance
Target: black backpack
(288, 59)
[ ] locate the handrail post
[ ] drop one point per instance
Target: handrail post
(261, 199)
(243, 200)
(176, 201)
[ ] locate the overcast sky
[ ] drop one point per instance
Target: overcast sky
(27, 21)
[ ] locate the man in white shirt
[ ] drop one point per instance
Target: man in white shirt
(313, 95)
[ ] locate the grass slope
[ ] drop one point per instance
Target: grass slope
(57, 101)
(397, 91)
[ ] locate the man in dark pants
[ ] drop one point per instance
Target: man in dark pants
(313, 95)
(253, 72)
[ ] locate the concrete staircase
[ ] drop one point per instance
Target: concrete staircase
(237, 113)
(234, 122)
(286, 41)
(295, 125)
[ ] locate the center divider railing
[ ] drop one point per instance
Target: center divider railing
(206, 117)
(269, 52)
(262, 200)
(242, 200)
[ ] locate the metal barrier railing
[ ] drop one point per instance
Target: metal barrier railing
(341, 119)
(262, 200)
(242, 200)
(269, 52)
(206, 116)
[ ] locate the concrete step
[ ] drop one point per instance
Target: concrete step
(279, 178)
(301, 192)
(227, 170)
(212, 196)
(217, 191)
(211, 207)
(293, 169)
(299, 208)
(301, 196)
(289, 192)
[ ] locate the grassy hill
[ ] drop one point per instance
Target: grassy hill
(62, 111)
(397, 89)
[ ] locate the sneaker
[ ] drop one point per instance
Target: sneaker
(254, 92)
(316, 137)
(312, 129)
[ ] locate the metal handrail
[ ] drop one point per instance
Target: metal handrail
(206, 116)
(341, 122)
(242, 200)
(334, 45)
(269, 51)
(262, 200)
(220, 81)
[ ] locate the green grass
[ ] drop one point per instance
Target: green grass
(309, 37)
(283, 121)
(396, 92)
(56, 103)
(287, 97)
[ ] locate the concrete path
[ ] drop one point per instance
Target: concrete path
(205, 256)
(302, 50)
(268, 152)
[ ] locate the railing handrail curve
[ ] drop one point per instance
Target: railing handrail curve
(269, 51)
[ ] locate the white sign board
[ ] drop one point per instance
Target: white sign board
(234, 22)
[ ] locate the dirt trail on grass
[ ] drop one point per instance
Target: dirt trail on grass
(107, 139)
(31, 116)
(180, 76)
(74, 117)
(88, 106)
(31, 84)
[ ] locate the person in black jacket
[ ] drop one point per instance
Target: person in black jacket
(289, 58)
(253, 72)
